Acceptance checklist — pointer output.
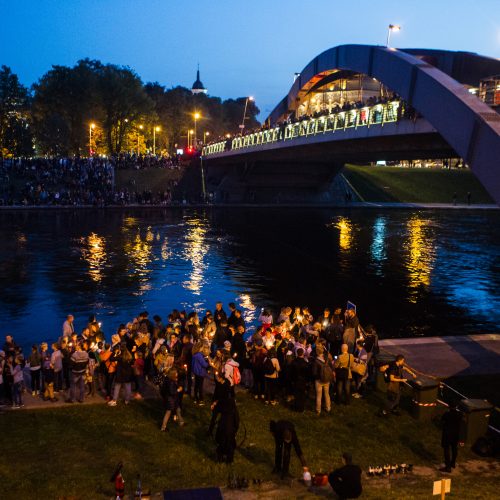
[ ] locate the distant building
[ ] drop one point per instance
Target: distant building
(198, 87)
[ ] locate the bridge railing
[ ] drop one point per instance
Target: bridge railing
(367, 116)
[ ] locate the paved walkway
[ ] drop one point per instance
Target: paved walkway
(445, 357)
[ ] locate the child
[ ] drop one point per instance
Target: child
(48, 377)
(138, 368)
(17, 382)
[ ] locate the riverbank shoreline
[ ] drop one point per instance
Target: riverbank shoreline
(355, 205)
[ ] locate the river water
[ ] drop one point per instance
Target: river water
(410, 273)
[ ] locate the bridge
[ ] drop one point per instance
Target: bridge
(361, 103)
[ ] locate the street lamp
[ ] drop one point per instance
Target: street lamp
(392, 27)
(196, 116)
(155, 129)
(140, 127)
(190, 133)
(242, 126)
(91, 127)
(205, 135)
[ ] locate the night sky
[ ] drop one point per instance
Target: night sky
(243, 47)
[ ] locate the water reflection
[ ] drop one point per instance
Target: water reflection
(94, 253)
(140, 253)
(344, 226)
(421, 256)
(377, 248)
(249, 308)
(195, 251)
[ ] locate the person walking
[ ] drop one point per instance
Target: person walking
(451, 421)
(171, 392)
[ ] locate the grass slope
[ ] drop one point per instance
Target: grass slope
(412, 185)
(70, 452)
(154, 179)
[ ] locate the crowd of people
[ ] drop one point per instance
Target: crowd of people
(294, 359)
(282, 361)
(79, 181)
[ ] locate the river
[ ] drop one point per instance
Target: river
(410, 272)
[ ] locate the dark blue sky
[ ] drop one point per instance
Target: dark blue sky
(244, 47)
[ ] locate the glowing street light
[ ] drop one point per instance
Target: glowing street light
(140, 127)
(155, 129)
(91, 127)
(205, 135)
(242, 126)
(190, 133)
(392, 27)
(196, 116)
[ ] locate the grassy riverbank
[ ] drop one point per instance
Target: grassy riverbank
(70, 452)
(415, 185)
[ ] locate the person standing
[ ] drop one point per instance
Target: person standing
(56, 360)
(124, 376)
(285, 437)
(68, 328)
(451, 421)
(299, 375)
(35, 364)
(227, 428)
(343, 375)
(346, 480)
(395, 378)
(323, 375)
(78, 362)
(199, 369)
(271, 372)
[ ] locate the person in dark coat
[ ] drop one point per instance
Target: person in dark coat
(299, 375)
(346, 480)
(171, 393)
(227, 428)
(285, 437)
(450, 435)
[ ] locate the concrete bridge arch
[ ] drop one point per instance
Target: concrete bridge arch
(468, 125)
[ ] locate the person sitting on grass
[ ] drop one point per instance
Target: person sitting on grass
(346, 480)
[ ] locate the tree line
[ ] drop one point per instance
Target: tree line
(107, 108)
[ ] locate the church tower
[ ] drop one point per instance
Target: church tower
(198, 87)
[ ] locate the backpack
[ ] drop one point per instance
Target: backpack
(326, 373)
(236, 375)
(269, 368)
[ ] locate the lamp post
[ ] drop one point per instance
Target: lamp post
(242, 126)
(392, 27)
(91, 127)
(196, 116)
(155, 129)
(190, 138)
(205, 135)
(140, 127)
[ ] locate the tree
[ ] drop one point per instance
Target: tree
(15, 132)
(233, 110)
(64, 105)
(125, 104)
